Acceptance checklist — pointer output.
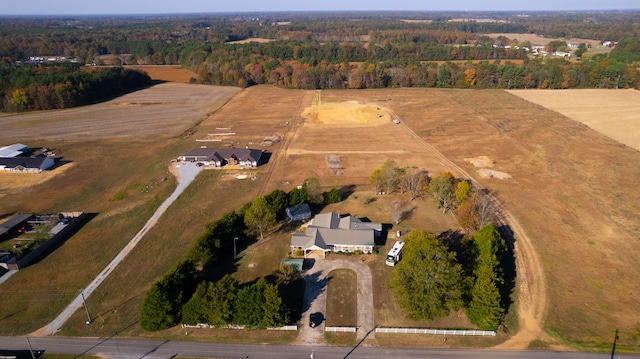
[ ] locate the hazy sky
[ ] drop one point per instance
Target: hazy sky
(66, 7)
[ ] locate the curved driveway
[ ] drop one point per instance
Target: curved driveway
(315, 298)
(188, 172)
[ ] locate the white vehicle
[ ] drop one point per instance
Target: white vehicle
(396, 121)
(395, 254)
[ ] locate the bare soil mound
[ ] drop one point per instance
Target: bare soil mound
(480, 161)
(488, 173)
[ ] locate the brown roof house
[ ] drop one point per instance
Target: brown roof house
(328, 232)
(218, 157)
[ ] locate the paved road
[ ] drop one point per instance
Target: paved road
(315, 298)
(188, 172)
(114, 348)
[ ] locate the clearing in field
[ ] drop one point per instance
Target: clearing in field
(613, 113)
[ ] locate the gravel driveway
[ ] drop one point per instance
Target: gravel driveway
(315, 298)
(187, 173)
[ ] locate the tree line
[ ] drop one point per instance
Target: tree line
(340, 66)
(29, 88)
(187, 294)
(329, 51)
(433, 279)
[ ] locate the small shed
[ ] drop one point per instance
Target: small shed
(298, 212)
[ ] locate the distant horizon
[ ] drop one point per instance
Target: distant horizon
(471, 12)
(203, 7)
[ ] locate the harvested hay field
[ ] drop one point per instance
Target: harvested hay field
(161, 111)
(168, 73)
(614, 113)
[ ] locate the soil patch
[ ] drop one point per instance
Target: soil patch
(345, 113)
(488, 173)
(168, 73)
(481, 161)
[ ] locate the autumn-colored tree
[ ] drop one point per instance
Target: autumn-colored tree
(259, 217)
(386, 178)
(441, 189)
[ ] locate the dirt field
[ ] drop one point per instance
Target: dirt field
(168, 73)
(161, 111)
(614, 113)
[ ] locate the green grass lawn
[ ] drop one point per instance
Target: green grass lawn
(342, 308)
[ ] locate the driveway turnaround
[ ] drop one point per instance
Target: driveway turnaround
(315, 298)
(188, 172)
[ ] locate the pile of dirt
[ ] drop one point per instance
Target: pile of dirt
(488, 173)
(480, 161)
(350, 112)
(486, 163)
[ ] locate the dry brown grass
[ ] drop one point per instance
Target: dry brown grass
(570, 191)
(613, 113)
(161, 111)
(169, 73)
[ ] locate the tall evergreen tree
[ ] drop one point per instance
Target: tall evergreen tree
(485, 309)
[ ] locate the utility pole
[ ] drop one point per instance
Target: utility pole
(86, 308)
(30, 349)
(615, 339)
(234, 247)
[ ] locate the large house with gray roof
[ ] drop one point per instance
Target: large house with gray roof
(328, 232)
(218, 157)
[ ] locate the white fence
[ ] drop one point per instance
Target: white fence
(286, 327)
(341, 329)
(483, 333)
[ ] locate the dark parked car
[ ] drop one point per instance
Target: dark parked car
(315, 319)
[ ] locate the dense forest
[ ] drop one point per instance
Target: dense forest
(61, 86)
(323, 50)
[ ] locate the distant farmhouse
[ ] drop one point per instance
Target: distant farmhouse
(330, 233)
(219, 157)
(14, 158)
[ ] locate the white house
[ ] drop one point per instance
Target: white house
(330, 233)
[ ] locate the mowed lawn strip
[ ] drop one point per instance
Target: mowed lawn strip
(342, 298)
